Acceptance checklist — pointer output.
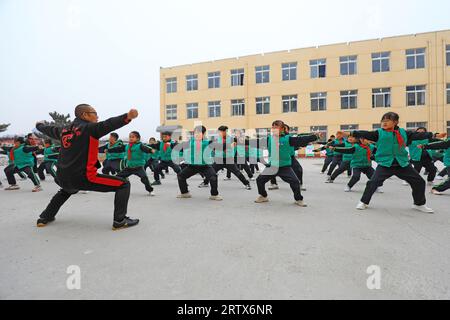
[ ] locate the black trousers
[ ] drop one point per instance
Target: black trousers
(12, 169)
(427, 163)
(165, 165)
(443, 173)
(151, 163)
(111, 166)
(336, 161)
(47, 166)
(343, 166)
(298, 170)
(408, 174)
(205, 171)
(138, 171)
(286, 174)
(446, 184)
(328, 160)
(231, 168)
(102, 183)
(368, 171)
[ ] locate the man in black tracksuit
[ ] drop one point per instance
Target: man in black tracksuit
(78, 163)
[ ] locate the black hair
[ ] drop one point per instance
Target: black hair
(200, 128)
(167, 133)
(422, 128)
(391, 116)
(115, 135)
(137, 134)
(278, 123)
(48, 141)
(223, 128)
(287, 127)
(81, 108)
(19, 139)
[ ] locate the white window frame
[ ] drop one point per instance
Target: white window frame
(448, 93)
(318, 96)
(264, 73)
(413, 53)
(191, 108)
(263, 103)
(238, 105)
(320, 129)
(291, 69)
(216, 107)
(413, 126)
(348, 60)
(349, 127)
(172, 84)
(237, 77)
(416, 91)
(171, 112)
(376, 92)
(290, 99)
(315, 68)
(348, 95)
(192, 82)
(379, 57)
(215, 78)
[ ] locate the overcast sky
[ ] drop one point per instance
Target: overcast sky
(55, 54)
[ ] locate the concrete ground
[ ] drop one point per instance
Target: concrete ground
(234, 249)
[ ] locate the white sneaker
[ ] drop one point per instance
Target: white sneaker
(404, 183)
(248, 187)
(151, 194)
(84, 192)
(252, 179)
(302, 188)
(261, 199)
(226, 179)
(274, 187)
(322, 172)
(13, 187)
(300, 203)
(184, 196)
(348, 189)
(203, 185)
(423, 209)
(329, 180)
(439, 178)
(437, 193)
(362, 206)
(380, 190)
(216, 198)
(430, 183)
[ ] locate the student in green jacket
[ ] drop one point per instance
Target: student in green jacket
(51, 154)
(22, 160)
(197, 154)
(152, 158)
(164, 149)
(345, 164)
(392, 159)
(362, 152)
(280, 161)
(421, 158)
(113, 161)
(135, 152)
(444, 145)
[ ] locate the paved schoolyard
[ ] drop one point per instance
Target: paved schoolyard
(235, 249)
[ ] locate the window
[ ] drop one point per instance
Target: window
(380, 62)
(171, 112)
(171, 85)
(349, 99)
(237, 77)
(263, 105)
(289, 71)
(413, 126)
(318, 68)
(262, 132)
(376, 126)
(192, 82)
(448, 93)
(448, 54)
(348, 65)
(319, 101)
(448, 128)
(415, 58)
(289, 103)
(213, 80)
(381, 98)
(415, 95)
(349, 127)
(320, 129)
(262, 74)
(192, 110)
(237, 108)
(214, 109)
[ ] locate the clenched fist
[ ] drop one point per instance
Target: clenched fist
(132, 114)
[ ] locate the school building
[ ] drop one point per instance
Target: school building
(327, 88)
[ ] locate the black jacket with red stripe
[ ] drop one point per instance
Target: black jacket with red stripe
(78, 157)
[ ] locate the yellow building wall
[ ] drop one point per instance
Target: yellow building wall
(435, 76)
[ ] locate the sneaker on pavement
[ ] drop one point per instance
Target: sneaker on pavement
(362, 206)
(184, 196)
(156, 183)
(301, 203)
(37, 189)
(216, 198)
(262, 199)
(248, 187)
(126, 223)
(348, 189)
(43, 222)
(423, 209)
(274, 187)
(437, 193)
(13, 187)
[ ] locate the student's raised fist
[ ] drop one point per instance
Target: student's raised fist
(441, 135)
(132, 114)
